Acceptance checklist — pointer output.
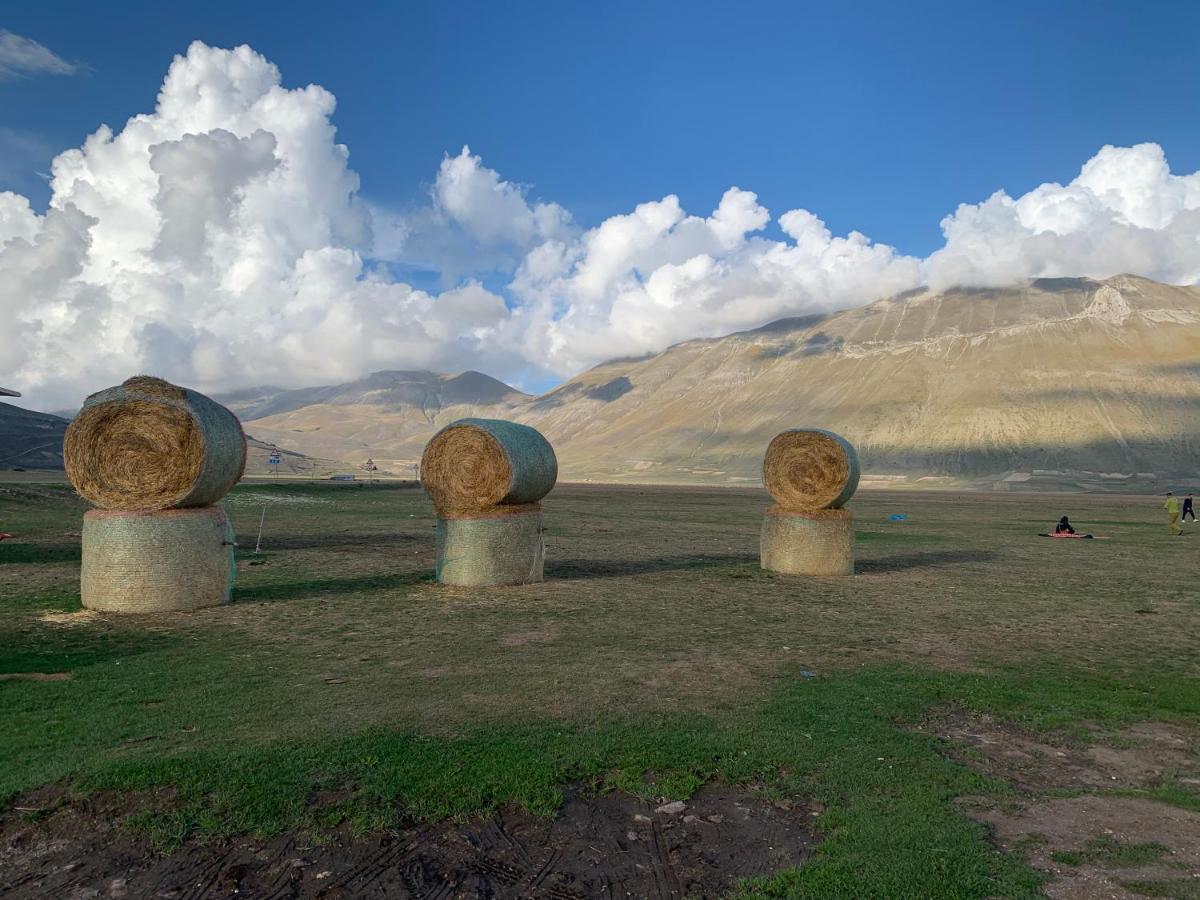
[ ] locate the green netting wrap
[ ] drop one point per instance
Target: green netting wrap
(501, 548)
(148, 444)
(815, 543)
(473, 465)
(162, 561)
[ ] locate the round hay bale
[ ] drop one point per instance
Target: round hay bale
(475, 464)
(820, 542)
(147, 444)
(162, 561)
(807, 468)
(501, 547)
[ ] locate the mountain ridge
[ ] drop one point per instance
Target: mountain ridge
(982, 386)
(969, 383)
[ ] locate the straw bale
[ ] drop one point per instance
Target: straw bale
(806, 469)
(475, 464)
(502, 546)
(148, 444)
(162, 561)
(820, 542)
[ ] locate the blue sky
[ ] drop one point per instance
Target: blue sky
(880, 117)
(639, 174)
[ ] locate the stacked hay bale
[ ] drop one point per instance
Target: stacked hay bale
(153, 458)
(485, 477)
(811, 474)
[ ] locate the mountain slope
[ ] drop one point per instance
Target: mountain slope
(387, 415)
(30, 440)
(34, 440)
(1059, 374)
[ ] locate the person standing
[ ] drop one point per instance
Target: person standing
(1187, 510)
(1172, 508)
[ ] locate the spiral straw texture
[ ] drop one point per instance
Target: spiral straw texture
(474, 465)
(148, 444)
(819, 542)
(806, 469)
(503, 547)
(152, 562)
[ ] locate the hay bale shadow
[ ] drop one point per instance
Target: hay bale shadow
(928, 560)
(364, 540)
(14, 552)
(66, 649)
(303, 590)
(569, 569)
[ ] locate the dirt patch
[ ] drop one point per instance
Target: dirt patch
(1136, 757)
(79, 617)
(1105, 847)
(35, 676)
(1096, 845)
(611, 845)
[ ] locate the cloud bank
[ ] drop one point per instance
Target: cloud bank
(222, 240)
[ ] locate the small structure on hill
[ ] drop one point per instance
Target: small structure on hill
(811, 474)
(154, 457)
(485, 477)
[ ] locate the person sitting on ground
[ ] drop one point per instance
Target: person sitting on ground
(1064, 529)
(1187, 510)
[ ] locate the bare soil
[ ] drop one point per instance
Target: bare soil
(1060, 835)
(1136, 757)
(1063, 826)
(611, 845)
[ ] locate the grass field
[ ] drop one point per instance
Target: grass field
(970, 676)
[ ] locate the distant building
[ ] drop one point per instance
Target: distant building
(5, 392)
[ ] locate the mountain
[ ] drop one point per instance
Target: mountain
(1046, 381)
(387, 415)
(34, 440)
(1057, 376)
(30, 440)
(1057, 383)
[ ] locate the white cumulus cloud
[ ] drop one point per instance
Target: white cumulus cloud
(475, 221)
(1125, 212)
(221, 240)
(218, 241)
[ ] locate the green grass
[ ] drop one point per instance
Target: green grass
(1108, 851)
(657, 656)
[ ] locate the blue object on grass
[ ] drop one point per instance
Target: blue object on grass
(897, 517)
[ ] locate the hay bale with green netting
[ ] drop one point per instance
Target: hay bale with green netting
(812, 474)
(148, 444)
(156, 561)
(473, 465)
(503, 546)
(817, 542)
(485, 477)
(808, 468)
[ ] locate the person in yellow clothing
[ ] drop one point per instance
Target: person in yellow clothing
(1172, 508)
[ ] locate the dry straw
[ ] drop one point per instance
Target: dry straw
(502, 547)
(474, 465)
(147, 444)
(151, 562)
(819, 542)
(807, 469)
